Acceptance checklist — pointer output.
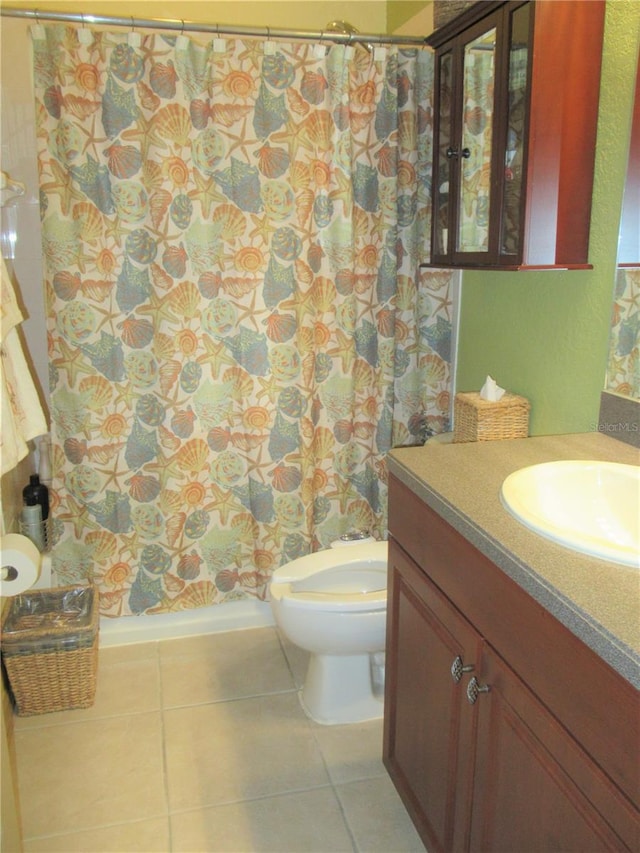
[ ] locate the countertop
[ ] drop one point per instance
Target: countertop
(597, 600)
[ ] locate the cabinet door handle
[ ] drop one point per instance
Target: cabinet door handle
(474, 690)
(458, 667)
(454, 152)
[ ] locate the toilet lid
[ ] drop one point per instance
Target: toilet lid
(338, 580)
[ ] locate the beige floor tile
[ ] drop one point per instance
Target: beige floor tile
(91, 773)
(147, 836)
(377, 819)
(238, 750)
(352, 751)
(222, 666)
(130, 652)
(307, 821)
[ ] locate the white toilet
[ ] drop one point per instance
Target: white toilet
(333, 604)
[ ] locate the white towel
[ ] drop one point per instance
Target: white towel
(21, 412)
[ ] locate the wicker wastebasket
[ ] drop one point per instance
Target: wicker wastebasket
(50, 649)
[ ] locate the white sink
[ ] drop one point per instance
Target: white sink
(592, 507)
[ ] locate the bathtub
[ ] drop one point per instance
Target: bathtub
(234, 616)
(125, 630)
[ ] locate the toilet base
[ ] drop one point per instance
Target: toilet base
(338, 689)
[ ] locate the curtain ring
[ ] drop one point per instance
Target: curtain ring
(132, 24)
(36, 12)
(182, 30)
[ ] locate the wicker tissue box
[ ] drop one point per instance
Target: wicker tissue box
(482, 420)
(50, 649)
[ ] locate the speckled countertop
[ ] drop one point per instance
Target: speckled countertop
(598, 601)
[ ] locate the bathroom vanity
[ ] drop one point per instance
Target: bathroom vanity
(512, 705)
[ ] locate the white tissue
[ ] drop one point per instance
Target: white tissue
(491, 390)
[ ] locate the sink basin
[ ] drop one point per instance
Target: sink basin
(591, 507)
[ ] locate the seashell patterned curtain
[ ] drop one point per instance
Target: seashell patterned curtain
(238, 330)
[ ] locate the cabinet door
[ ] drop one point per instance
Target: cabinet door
(514, 136)
(534, 788)
(445, 177)
(465, 225)
(428, 736)
(474, 152)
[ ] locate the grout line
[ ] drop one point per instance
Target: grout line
(255, 799)
(287, 661)
(242, 698)
(346, 821)
(163, 746)
(315, 729)
(98, 826)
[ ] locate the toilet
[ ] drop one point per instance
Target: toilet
(333, 604)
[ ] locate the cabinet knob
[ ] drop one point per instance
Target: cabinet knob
(454, 152)
(474, 690)
(458, 667)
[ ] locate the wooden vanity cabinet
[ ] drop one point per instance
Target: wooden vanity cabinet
(516, 106)
(546, 757)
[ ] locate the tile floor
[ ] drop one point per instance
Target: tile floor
(200, 744)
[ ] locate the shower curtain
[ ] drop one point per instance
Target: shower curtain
(238, 331)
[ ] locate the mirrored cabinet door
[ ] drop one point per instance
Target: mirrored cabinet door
(468, 98)
(465, 152)
(476, 145)
(515, 142)
(443, 178)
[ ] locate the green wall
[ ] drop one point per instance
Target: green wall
(369, 16)
(545, 334)
(400, 11)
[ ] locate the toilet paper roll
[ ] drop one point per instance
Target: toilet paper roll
(19, 564)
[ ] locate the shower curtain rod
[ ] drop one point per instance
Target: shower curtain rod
(183, 26)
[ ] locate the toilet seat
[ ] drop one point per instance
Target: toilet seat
(355, 580)
(352, 602)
